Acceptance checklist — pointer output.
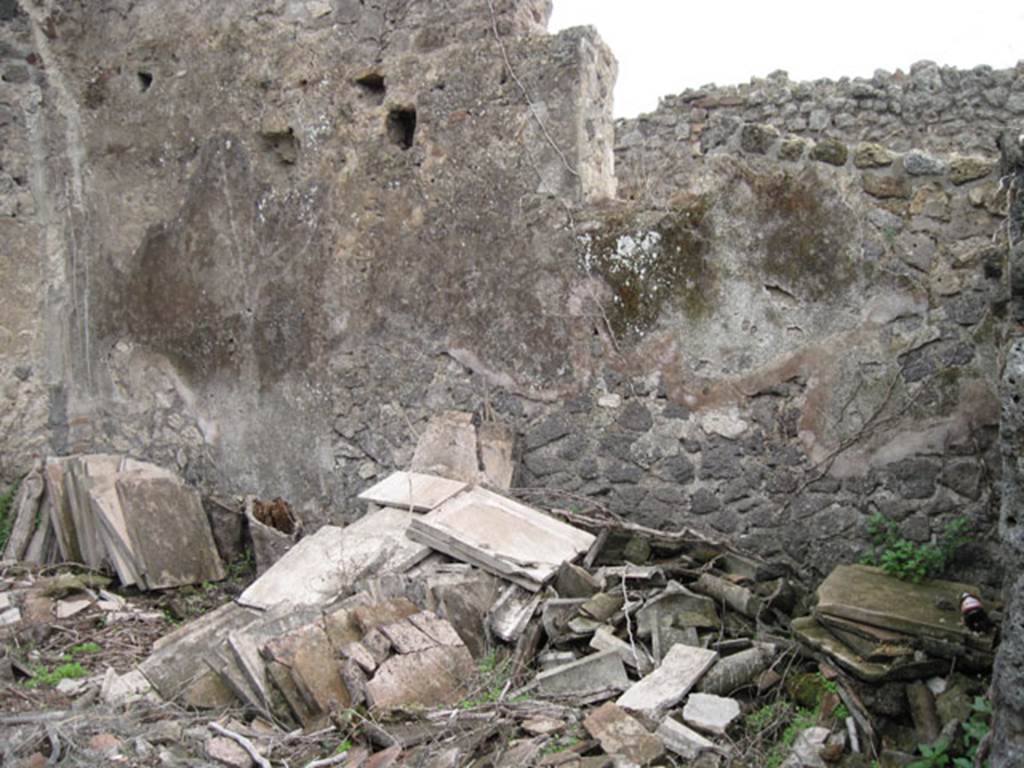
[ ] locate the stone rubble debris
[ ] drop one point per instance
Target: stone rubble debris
(625, 646)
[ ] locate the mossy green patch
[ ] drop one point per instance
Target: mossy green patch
(805, 230)
(649, 268)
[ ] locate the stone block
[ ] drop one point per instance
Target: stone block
(710, 713)
(663, 688)
(622, 735)
(592, 678)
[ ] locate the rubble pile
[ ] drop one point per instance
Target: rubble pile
(454, 625)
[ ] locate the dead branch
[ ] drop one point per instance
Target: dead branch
(247, 745)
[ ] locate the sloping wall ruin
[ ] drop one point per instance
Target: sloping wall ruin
(263, 242)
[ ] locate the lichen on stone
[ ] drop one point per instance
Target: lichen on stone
(649, 268)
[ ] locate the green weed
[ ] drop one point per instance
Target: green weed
(909, 560)
(81, 648)
(42, 675)
(6, 518)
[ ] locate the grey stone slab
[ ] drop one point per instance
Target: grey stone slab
(170, 534)
(592, 678)
(174, 667)
(325, 565)
(412, 491)
(710, 713)
(634, 656)
(865, 594)
(512, 612)
(622, 735)
(502, 536)
(113, 530)
(663, 688)
(439, 676)
(682, 740)
(56, 475)
(244, 644)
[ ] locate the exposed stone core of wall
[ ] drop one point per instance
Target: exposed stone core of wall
(265, 243)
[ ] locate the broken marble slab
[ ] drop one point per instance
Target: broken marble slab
(308, 657)
(808, 631)
(710, 713)
(512, 612)
(501, 536)
(184, 551)
(590, 679)
(656, 693)
(622, 735)
(634, 655)
(928, 608)
(174, 667)
(439, 676)
(412, 491)
(324, 566)
(453, 446)
(244, 646)
(682, 740)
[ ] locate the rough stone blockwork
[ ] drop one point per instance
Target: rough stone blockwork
(266, 241)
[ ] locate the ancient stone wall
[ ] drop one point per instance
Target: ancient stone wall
(265, 244)
(935, 109)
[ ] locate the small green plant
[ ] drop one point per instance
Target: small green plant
(909, 560)
(561, 743)
(840, 713)
(975, 730)
(933, 755)
(81, 648)
(43, 675)
(343, 747)
(6, 518)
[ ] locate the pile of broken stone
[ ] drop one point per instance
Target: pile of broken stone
(648, 645)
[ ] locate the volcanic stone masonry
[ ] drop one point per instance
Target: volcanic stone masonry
(264, 242)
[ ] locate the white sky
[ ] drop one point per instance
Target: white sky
(666, 46)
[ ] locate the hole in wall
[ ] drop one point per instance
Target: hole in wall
(372, 87)
(145, 80)
(402, 126)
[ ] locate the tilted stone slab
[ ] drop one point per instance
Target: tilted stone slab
(622, 735)
(321, 567)
(592, 678)
(412, 491)
(710, 713)
(659, 691)
(170, 534)
(865, 594)
(682, 740)
(502, 536)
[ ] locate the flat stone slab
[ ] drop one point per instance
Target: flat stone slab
(501, 536)
(659, 691)
(412, 491)
(632, 656)
(809, 631)
(865, 594)
(622, 735)
(592, 678)
(710, 713)
(322, 566)
(439, 676)
(170, 534)
(682, 740)
(309, 657)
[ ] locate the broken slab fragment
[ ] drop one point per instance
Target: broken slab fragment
(455, 447)
(682, 740)
(622, 735)
(709, 713)
(807, 748)
(327, 564)
(929, 608)
(412, 491)
(634, 656)
(512, 612)
(309, 658)
(184, 551)
(502, 536)
(590, 679)
(439, 676)
(808, 631)
(680, 670)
